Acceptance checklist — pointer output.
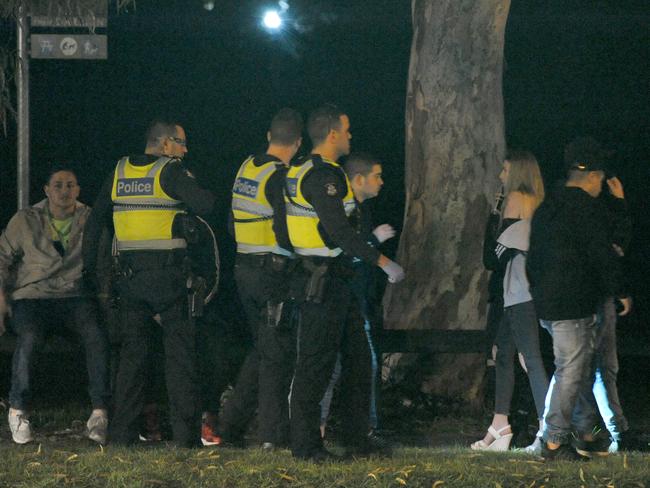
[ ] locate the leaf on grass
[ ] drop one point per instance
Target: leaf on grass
(285, 476)
(497, 485)
(122, 460)
(373, 476)
(33, 464)
(401, 481)
(437, 484)
(72, 457)
(39, 450)
(625, 465)
(582, 475)
(532, 484)
(212, 466)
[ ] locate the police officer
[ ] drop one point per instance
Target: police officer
(263, 249)
(319, 200)
(148, 197)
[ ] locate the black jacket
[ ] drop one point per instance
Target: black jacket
(571, 263)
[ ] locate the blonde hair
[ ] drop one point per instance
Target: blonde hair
(525, 177)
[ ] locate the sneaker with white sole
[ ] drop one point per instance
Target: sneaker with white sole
(21, 431)
(96, 427)
(535, 448)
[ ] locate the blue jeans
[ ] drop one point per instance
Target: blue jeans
(519, 332)
(605, 389)
(33, 319)
(571, 403)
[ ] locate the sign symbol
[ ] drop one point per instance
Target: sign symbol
(68, 46)
(47, 46)
(90, 48)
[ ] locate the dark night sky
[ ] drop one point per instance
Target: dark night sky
(572, 67)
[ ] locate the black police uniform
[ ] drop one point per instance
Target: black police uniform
(153, 282)
(331, 323)
(265, 377)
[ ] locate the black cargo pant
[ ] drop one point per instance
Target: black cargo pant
(155, 284)
(330, 325)
(265, 376)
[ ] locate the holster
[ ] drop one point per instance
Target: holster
(282, 315)
(317, 280)
(196, 296)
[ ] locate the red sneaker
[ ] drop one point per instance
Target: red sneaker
(208, 436)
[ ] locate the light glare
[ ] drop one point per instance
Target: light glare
(272, 20)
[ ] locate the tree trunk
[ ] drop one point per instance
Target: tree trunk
(454, 149)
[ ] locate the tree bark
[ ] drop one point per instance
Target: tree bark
(454, 149)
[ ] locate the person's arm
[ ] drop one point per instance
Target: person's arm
(10, 252)
(101, 217)
(490, 260)
(619, 217)
(274, 193)
(179, 183)
(325, 190)
(601, 254)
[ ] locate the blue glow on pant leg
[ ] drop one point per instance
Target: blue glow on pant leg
(374, 422)
(600, 393)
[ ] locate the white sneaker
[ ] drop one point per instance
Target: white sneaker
(97, 426)
(21, 431)
(535, 448)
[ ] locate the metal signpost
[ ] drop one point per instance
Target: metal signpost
(50, 46)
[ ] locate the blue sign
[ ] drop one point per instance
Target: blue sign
(292, 187)
(245, 187)
(134, 187)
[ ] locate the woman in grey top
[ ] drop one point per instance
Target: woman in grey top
(518, 330)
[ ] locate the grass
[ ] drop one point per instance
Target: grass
(61, 456)
(88, 466)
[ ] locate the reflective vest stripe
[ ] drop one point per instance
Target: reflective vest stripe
(251, 207)
(318, 251)
(153, 244)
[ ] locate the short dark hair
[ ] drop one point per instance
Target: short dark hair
(359, 164)
(322, 120)
(58, 167)
(286, 127)
(159, 129)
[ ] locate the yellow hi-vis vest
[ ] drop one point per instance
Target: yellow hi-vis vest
(252, 212)
(143, 213)
(302, 220)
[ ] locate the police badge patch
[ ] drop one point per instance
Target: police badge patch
(330, 188)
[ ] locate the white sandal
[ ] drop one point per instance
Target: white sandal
(500, 442)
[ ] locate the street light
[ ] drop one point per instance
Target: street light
(272, 20)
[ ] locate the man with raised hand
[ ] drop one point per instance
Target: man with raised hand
(573, 269)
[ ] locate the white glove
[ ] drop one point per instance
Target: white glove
(383, 232)
(394, 271)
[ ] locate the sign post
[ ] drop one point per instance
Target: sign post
(22, 92)
(50, 46)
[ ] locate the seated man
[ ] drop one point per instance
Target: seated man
(40, 263)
